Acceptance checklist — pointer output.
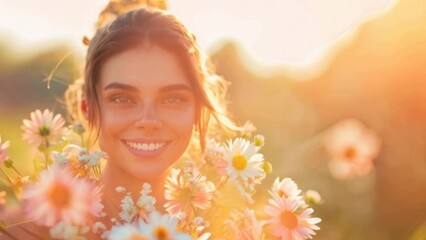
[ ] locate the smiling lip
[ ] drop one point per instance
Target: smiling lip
(146, 148)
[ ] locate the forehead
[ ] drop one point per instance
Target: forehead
(143, 67)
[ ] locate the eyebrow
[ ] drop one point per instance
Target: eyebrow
(175, 87)
(168, 88)
(120, 86)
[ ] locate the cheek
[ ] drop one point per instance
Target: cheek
(184, 123)
(111, 126)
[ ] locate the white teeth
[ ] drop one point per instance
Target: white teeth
(146, 146)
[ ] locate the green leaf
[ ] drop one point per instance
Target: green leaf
(8, 163)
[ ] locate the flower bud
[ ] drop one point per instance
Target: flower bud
(8, 163)
(312, 197)
(259, 140)
(267, 167)
(79, 129)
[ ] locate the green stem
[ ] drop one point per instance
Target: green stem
(4, 182)
(16, 170)
(96, 172)
(46, 155)
(194, 210)
(201, 171)
(7, 176)
(18, 225)
(221, 184)
(98, 175)
(82, 141)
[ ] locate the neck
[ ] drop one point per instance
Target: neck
(114, 176)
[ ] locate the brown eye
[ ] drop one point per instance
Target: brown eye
(121, 99)
(173, 100)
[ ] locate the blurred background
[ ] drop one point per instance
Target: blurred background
(296, 67)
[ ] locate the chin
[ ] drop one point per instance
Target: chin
(147, 173)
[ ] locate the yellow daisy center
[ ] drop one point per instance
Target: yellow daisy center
(282, 193)
(44, 131)
(186, 194)
(288, 220)
(161, 233)
(350, 153)
(59, 195)
(239, 162)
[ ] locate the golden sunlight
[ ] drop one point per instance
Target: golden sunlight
(293, 32)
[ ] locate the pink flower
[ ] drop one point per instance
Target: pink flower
(248, 129)
(43, 128)
(59, 196)
(244, 225)
(288, 220)
(352, 148)
(187, 190)
(3, 151)
(215, 155)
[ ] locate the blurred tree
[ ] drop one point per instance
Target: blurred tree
(23, 84)
(376, 75)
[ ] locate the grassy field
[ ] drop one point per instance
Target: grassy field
(19, 151)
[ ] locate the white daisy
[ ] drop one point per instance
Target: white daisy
(162, 227)
(286, 188)
(243, 160)
(146, 202)
(126, 232)
(128, 208)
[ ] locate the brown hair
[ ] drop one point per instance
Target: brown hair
(157, 27)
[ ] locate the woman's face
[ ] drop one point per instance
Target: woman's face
(147, 111)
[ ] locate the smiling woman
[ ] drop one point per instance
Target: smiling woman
(147, 96)
(148, 100)
(148, 92)
(147, 114)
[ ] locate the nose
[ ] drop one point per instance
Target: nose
(148, 119)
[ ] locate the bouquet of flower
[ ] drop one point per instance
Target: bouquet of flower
(209, 194)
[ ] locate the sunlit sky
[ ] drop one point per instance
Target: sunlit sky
(275, 31)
